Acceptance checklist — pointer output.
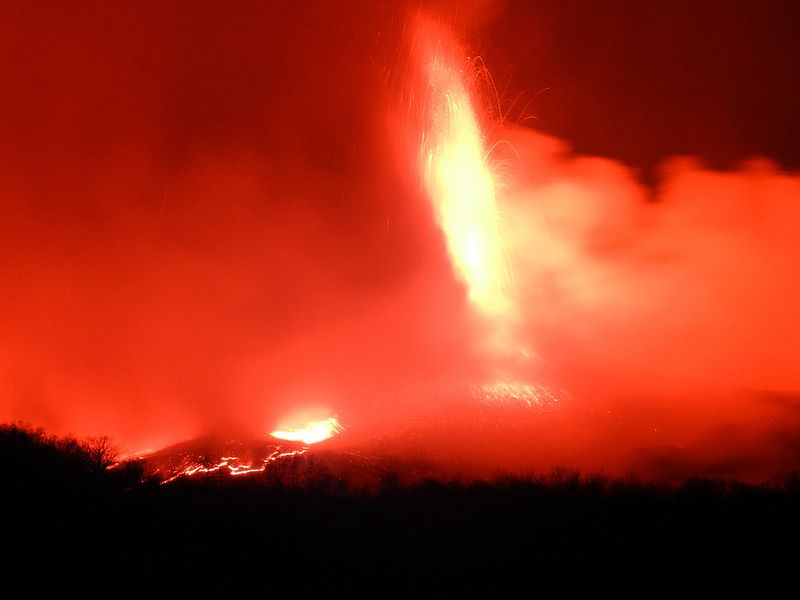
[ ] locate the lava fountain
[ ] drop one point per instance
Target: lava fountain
(458, 177)
(464, 188)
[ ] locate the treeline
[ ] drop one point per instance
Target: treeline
(31, 456)
(33, 459)
(28, 447)
(71, 505)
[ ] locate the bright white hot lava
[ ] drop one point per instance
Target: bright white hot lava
(310, 432)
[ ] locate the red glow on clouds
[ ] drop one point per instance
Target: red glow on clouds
(208, 218)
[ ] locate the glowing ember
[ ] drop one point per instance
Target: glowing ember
(311, 432)
(459, 181)
(530, 394)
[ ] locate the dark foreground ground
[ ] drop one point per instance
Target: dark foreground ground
(74, 524)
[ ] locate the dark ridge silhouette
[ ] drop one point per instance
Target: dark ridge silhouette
(300, 515)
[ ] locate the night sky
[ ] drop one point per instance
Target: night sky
(640, 82)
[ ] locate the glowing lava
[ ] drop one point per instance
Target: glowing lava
(458, 179)
(231, 464)
(462, 187)
(311, 432)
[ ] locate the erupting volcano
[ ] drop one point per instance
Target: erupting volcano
(211, 224)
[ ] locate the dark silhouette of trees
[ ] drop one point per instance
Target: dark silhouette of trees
(32, 456)
(301, 472)
(100, 452)
(301, 513)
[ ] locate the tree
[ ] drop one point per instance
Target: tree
(101, 452)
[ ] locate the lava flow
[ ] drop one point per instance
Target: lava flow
(231, 465)
(237, 457)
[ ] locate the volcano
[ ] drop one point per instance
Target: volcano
(504, 241)
(288, 463)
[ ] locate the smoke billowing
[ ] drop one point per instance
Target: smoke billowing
(206, 223)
